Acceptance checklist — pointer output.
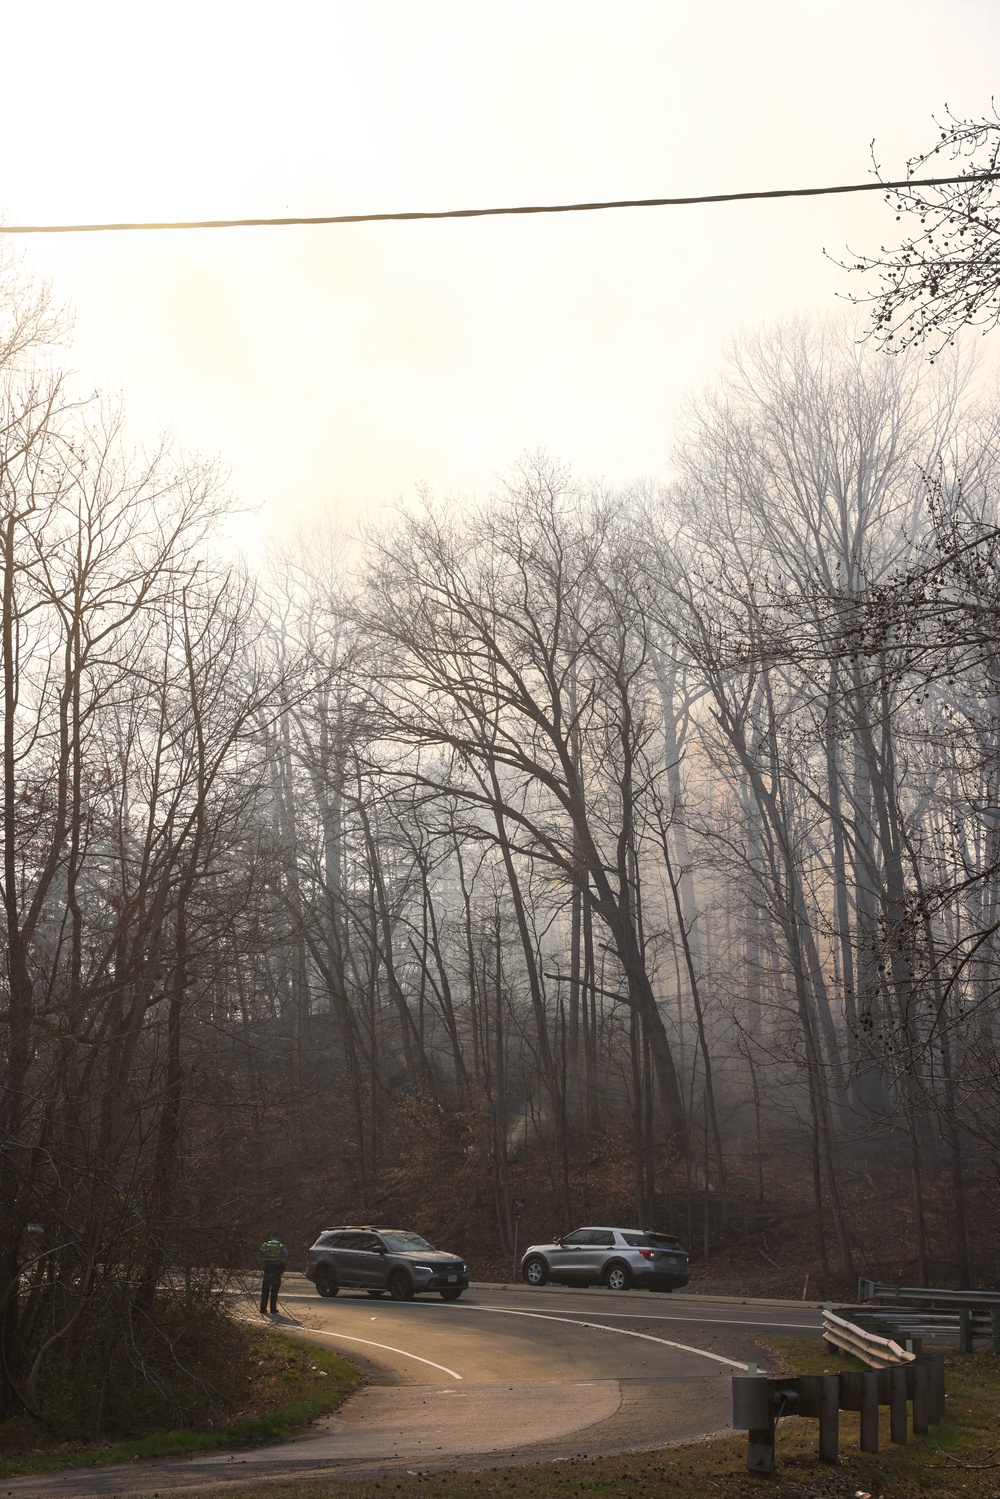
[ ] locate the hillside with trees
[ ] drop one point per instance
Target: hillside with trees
(635, 853)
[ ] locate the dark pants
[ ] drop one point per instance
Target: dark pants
(271, 1286)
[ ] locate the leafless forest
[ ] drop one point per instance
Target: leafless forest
(631, 853)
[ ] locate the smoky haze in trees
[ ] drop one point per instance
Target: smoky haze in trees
(632, 853)
(638, 847)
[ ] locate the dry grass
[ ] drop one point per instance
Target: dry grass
(284, 1386)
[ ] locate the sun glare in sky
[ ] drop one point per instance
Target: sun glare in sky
(334, 369)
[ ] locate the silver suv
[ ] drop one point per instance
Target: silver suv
(618, 1258)
(377, 1260)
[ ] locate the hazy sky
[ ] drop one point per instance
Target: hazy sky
(339, 367)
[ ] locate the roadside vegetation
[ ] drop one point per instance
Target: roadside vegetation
(961, 1457)
(232, 1386)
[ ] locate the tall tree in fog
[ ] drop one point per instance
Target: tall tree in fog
(805, 492)
(510, 639)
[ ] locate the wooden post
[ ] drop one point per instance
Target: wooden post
(760, 1450)
(897, 1405)
(753, 1412)
(920, 1402)
(869, 1412)
(829, 1418)
(964, 1330)
(995, 1327)
(935, 1388)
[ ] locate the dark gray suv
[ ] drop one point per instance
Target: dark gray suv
(377, 1260)
(618, 1258)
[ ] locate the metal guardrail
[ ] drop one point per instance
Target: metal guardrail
(930, 1296)
(897, 1376)
(962, 1316)
(759, 1403)
(961, 1327)
(869, 1347)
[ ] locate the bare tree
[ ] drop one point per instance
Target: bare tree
(946, 274)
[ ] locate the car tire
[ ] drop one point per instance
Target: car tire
(326, 1281)
(452, 1295)
(535, 1271)
(618, 1277)
(375, 1293)
(400, 1286)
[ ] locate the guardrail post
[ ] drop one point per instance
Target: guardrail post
(760, 1450)
(753, 1412)
(920, 1411)
(829, 1418)
(897, 1405)
(964, 1330)
(935, 1388)
(995, 1327)
(869, 1411)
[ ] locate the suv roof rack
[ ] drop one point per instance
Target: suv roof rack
(368, 1228)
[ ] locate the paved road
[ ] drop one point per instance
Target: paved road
(503, 1375)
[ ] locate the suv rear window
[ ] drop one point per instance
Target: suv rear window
(650, 1241)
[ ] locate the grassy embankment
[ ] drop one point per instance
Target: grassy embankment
(277, 1386)
(960, 1459)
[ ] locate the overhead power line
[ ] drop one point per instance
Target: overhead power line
(485, 213)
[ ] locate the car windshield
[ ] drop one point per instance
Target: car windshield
(401, 1243)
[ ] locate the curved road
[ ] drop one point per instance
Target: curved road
(506, 1374)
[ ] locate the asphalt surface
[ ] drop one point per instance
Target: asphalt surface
(505, 1375)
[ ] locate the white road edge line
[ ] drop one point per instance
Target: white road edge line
(632, 1316)
(322, 1332)
(643, 1317)
(623, 1332)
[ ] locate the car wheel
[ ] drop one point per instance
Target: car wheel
(400, 1286)
(535, 1271)
(451, 1295)
(618, 1277)
(326, 1281)
(375, 1293)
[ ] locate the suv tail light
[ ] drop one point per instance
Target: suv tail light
(647, 1254)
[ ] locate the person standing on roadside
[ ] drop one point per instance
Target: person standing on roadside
(275, 1257)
